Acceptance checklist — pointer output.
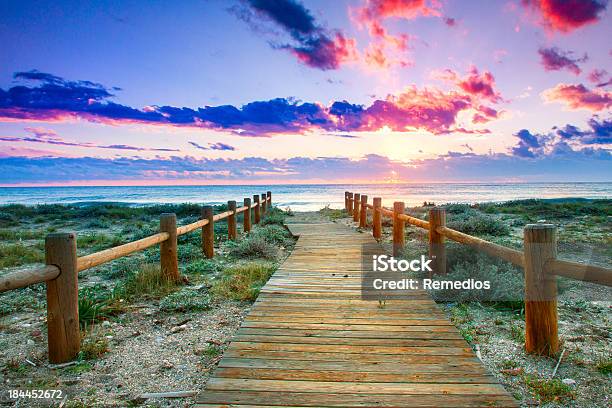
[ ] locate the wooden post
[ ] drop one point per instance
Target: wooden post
(398, 228)
(349, 209)
(246, 220)
(377, 218)
(63, 335)
(256, 209)
(168, 249)
(437, 250)
(208, 232)
(269, 196)
(231, 220)
(356, 206)
(346, 200)
(541, 333)
(363, 214)
(264, 205)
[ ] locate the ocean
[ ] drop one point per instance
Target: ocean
(306, 197)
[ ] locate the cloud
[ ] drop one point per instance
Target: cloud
(47, 136)
(413, 108)
(586, 165)
(566, 15)
(600, 132)
(598, 77)
(213, 146)
(553, 59)
(578, 97)
(388, 49)
(312, 44)
(528, 142)
(566, 140)
(481, 85)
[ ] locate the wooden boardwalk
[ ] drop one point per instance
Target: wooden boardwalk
(310, 341)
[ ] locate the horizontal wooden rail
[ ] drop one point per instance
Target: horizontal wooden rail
(387, 212)
(220, 216)
(61, 271)
(538, 260)
(26, 277)
(507, 254)
(579, 271)
(185, 229)
(98, 258)
(414, 221)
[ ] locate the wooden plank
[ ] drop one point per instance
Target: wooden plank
(353, 387)
(460, 377)
(296, 399)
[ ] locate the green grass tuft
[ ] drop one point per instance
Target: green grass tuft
(242, 282)
(549, 390)
(19, 254)
(184, 300)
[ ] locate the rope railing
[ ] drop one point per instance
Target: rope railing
(62, 266)
(538, 259)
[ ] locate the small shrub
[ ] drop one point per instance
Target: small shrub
(475, 223)
(185, 300)
(517, 333)
(548, 390)
(604, 366)
(8, 220)
(242, 282)
(211, 351)
(274, 234)
(509, 364)
(96, 304)
(274, 216)
(93, 346)
(333, 213)
(253, 247)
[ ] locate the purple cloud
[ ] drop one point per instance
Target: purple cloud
(600, 132)
(47, 136)
(553, 59)
(587, 164)
(312, 44)
(213, 146)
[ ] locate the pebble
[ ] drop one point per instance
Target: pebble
(569, 381)
(177, 329)
(106, 323)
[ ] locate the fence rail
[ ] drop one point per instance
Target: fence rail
(538, 259)
(62, 266)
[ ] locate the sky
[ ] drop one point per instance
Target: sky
(304, 91)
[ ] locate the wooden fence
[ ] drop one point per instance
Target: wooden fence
(62, 266)
(538, 259)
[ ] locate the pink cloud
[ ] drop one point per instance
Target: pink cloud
(579, 97)
(600, 77)
(566, 15)
(480, 85)
(553, 59)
